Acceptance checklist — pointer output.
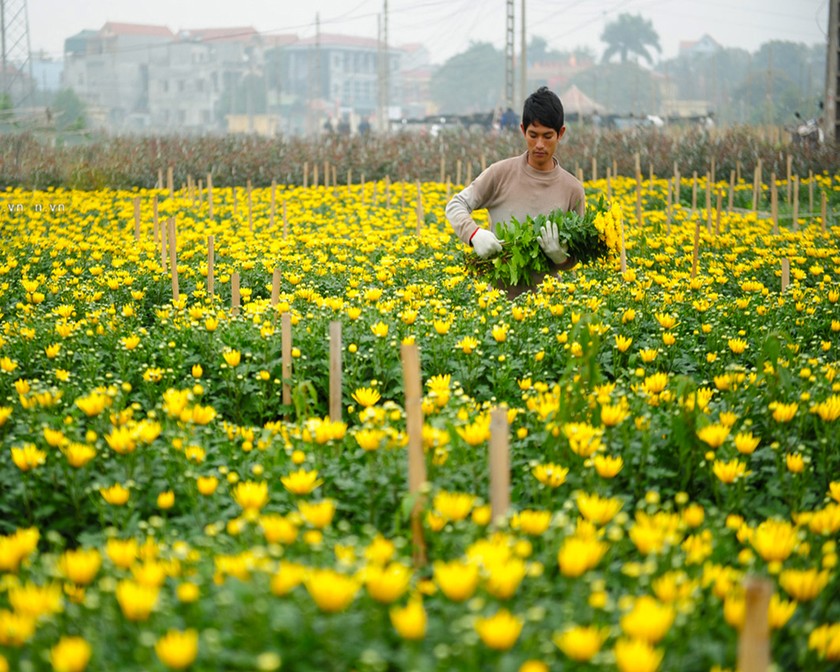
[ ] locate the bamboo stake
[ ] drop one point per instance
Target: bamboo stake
(170, 181)
(708, 204)
(136, 218)
(469, 173)
(696, 254)
(785, 273)
(458, 166)
(731, 190)
(639, 222)
(421, 217)
(677, 184)
(789, 175)
(824, 212)
(694, 191)
(609, 185)
(275, 287)
(234, 293)
(173, 260)
(416, 459)
(594, 168)
(754, 641)
(164, 234)
(499, 465)
(273, 201)
(250, 210)
(286, 356)
(211, 261)
(335, 371)
(159, 183)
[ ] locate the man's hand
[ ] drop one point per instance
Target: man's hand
(485, 243)
(549, 240)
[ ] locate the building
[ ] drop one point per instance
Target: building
(109, 70)
(702, 47)
(147, 78)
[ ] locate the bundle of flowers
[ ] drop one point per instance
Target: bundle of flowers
(594, 235)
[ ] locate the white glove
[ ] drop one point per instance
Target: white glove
(549, 240)
(485, 243)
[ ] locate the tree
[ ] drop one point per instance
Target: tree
(630, 34)
(472, 81)
(69, 111)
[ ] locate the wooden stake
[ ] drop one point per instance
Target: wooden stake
(696, 254)
(754, 641)
(677, 184)
(458, 166)
(250, 210)
(286, 356)
(708, 204)
(824, 212)
(499, 465)
(694, 191)
(164, 234)
(731, 190)
(483, 162)
(211, 261)
(785, 273)
(335, 371)
(234, 293)
(757, 186)
(416, 459)
(469, 173)
(159, 184)
(275, 287)
(170, 181)
(136, 218)
(421, 217)
(639, 221)
(173, 260)
(594, 168)
(789, 175)
(273, 201)
(609, 185)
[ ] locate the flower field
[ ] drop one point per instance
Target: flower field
(177, 492)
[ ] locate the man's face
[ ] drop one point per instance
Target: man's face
(542, 143)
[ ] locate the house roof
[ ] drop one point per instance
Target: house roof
(336, 40)
(241, 34)
(146, 30)
(576, 101)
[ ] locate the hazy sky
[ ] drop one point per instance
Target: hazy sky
(446, 27)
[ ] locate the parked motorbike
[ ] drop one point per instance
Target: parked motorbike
(807, 133)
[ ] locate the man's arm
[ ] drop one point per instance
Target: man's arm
(459, 213)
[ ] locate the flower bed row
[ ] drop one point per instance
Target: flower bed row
(673, 429)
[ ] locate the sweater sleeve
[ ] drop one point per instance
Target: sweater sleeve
(460, 208)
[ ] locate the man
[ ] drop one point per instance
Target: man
(533, 184)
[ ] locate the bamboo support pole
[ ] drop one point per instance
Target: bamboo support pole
(754, 640)
(173, 259)
(211, 261)
(234, 293)
(785, 274)
(275, 287)
(286, 356)
(335, 371)
(416, 458)
(499, 465)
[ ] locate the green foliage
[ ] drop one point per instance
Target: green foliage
(630, 34)
(522, 259)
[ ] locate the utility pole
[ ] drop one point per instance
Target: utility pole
(523, 66)
(319, 87)
(831, 123)
(509, 33)
(384, 70)
(15, 57)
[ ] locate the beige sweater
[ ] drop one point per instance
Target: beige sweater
(512, 188)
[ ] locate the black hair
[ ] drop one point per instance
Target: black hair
(543, 106)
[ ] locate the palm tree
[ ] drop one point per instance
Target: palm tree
(630, 34)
